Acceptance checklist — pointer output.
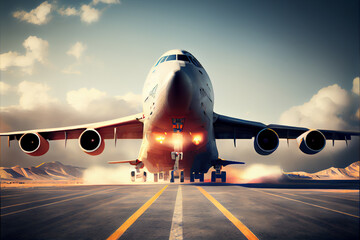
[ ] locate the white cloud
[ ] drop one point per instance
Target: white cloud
(81, 99)
(70, 11)
(76, 50)
(71, 69)
(33, 95)
(38, 109)
(89, 14)
(324, 110)
(38, 16)
(356, 86)
(133, 99)
(106, 1)
(4, 88)
(36, 50)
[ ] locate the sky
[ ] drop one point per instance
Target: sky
(275, 61)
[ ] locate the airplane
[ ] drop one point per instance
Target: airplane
(178, 127)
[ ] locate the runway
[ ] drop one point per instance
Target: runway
(174, 211)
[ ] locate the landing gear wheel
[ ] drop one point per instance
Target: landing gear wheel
(161, 175)
(155, 177)
(182, 176)
(223, 176)
(213, 176)
(166, 176)
(132, 176)
(201, 178)
(144, 177)
(172, 177)
(192, 177)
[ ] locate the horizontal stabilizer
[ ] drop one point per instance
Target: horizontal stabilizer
(132, 162)
(225, 162)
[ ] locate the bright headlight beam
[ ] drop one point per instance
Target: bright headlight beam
(197, 139)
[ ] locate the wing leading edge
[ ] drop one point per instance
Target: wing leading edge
(233, 128)
(130, 127)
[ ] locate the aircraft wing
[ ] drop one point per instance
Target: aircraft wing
(130, 127)
(232, 128)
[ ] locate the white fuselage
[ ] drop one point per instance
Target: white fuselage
(178, 91)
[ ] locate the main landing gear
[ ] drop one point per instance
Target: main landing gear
(138, 174)
(176, 173)
(218, 174)
(161, 176)
(194, 176)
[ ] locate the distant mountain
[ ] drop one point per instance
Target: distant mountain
(350, 172)
(44, 172)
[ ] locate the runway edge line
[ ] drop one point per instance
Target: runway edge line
(238, 224)
(120, 231)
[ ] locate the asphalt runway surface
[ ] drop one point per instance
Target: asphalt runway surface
(174, 211)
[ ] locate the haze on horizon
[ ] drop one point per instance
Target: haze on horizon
(289, 62)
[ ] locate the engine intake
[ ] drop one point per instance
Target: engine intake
(266, 141)
(90, 142)
(311, 142)
(33, 144)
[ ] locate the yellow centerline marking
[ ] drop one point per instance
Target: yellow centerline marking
(120, 231)
(44, 205)
(314, 205)
(248, 234)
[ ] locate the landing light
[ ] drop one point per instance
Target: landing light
(197, 139)
(160, 139)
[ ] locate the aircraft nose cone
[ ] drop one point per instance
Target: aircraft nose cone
(179, 93)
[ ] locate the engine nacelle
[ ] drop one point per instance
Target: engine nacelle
(311, 142)
(90, 142)
(266, 141)
(33, 144)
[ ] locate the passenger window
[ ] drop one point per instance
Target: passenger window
(183, 58)
(171, 58)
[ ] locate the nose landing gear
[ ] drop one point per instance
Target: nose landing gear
(176, 173)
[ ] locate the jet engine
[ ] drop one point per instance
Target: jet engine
(311, 142)
(33, 144)
(90, 142)
(266, 141)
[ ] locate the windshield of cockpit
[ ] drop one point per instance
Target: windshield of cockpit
(179, 57)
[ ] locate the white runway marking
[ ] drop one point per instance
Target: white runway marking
(176, 232)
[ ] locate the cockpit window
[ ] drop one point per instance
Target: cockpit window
(183, 58)
(195, 61)
(158, 62)
(171, 58)
(186, 58)
(163, 59)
